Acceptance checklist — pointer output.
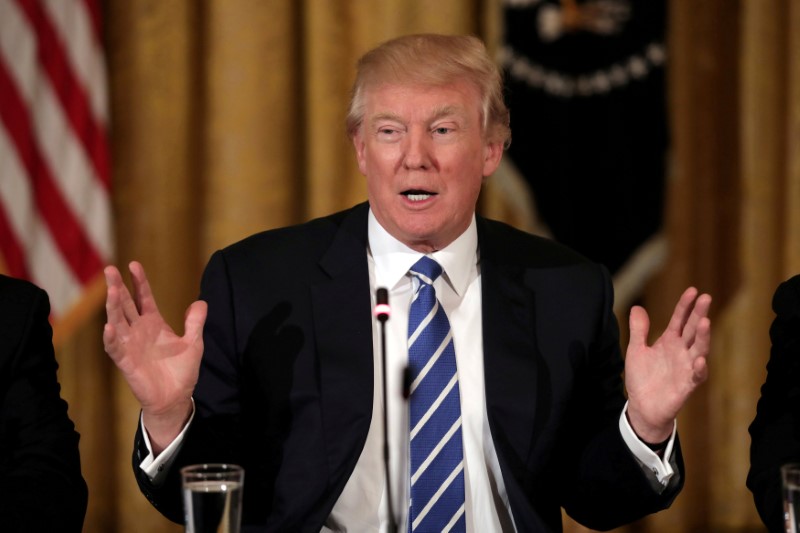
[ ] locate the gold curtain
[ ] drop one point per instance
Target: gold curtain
(227, 118)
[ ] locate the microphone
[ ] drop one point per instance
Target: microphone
(382, 312)
(382, 309)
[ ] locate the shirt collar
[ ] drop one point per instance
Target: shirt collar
(393, 259)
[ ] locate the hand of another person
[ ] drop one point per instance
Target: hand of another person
(660, 378)
(160, 367)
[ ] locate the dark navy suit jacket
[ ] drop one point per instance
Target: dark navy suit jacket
(286, 382)
(41, 487)
(775, 431)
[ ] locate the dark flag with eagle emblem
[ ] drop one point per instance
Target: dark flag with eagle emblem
(586, 89)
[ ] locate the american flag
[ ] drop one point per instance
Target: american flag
(55, 208)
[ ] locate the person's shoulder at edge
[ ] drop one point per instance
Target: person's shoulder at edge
(18, 298)
(17, 290)
(786, 301)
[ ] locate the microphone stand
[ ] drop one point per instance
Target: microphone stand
(382, 312)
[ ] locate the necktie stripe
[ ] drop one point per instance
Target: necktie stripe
(431, 483)
(423, 277)
(434, 358)
(420, 329)
(430, 390)
(431, 433)
(432, 409)
(425, 510)
(435, 453)
(456, 517)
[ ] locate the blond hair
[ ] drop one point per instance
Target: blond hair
(436, 60)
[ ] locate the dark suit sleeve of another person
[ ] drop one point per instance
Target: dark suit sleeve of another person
(41, 485)
(775, 432)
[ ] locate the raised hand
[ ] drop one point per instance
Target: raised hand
(660, 378)
(160, 366)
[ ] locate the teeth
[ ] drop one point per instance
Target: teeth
(418, 197)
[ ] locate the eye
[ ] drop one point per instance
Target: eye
(387, 133)
(442, 130)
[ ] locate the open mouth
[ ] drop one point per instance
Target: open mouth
(416, 195)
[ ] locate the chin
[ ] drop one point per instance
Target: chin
(425, 243)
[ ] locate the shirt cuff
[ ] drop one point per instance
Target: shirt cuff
(156, 468)
(659, 466)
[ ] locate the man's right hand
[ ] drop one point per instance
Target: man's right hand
(160, 367)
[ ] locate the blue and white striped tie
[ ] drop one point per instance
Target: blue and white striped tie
(437, 457)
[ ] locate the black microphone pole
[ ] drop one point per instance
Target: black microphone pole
(382, 312)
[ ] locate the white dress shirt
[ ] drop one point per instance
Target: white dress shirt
(363, 504)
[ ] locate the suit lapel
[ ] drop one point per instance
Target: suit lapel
(515, 395)
(343, 334)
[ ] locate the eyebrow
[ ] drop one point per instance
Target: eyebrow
(438, 113)
(380, 117)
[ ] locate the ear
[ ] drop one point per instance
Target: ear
(492, 153)
(361, 148)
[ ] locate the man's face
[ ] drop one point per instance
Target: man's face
(423, 152)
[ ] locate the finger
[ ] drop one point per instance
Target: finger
(682, 312)
(699, 370)
(125, 302)
(110, 341)
(639, 324)
(195, 320)
(702, 340)
(113, 278)
(699, 312)
(114, 312)
(145, 302)
(112, 275)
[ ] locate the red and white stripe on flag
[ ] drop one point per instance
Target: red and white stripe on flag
(55, 207)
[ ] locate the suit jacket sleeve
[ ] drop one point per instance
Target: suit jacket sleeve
(775, 431)
(230, 425)
(607, 486)
(42, 487)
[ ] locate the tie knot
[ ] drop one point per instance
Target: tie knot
(426, 269)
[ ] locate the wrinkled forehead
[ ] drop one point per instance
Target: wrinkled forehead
(440, 99)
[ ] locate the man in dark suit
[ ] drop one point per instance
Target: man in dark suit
(775, 432)
(41, 487)
(289, 385)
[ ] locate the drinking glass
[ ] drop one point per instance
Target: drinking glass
(790, 474)
(212, 498)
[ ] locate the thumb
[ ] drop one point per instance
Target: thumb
(639, 324)
(195, 320)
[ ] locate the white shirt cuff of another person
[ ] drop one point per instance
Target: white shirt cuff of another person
(660, 469)
(156, 468)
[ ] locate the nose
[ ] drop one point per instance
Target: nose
(417, 155)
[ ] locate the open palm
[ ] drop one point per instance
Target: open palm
(660, 378)
(160, 366)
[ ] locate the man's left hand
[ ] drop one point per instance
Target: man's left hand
(660, 378)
